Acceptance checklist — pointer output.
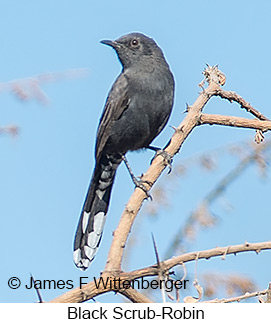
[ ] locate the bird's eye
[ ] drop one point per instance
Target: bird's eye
(134, 42)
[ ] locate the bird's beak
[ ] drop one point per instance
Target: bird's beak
(111, 43)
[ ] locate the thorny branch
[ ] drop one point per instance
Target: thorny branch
(133, 206)
(238, 298)
(268, 300)
(113, 267)
(234, 97)
(90, 291)
(231, 121)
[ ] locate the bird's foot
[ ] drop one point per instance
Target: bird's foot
(141, 184)
(138, 181)
(167, 157)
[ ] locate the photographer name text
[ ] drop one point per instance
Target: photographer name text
(112, 283)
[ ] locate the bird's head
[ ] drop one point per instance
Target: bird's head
(135, 49)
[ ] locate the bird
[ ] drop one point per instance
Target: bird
(137, 108)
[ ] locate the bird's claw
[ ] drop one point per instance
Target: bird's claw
(167, 158)
(140, 184)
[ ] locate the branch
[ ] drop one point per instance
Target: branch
(134, 296)
(113, 265)
(133, 206)
(237, 298)
(218, 251)
(234, 122)
(232, 96)
(90, 291)
(268, 300)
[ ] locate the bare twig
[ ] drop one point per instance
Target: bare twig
(268, 300)
(161, 273)
(135, 297)
(232, 96)
(37, 290)
(90, 290)
(238, 298)
(231, 121)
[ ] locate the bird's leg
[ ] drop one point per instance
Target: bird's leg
(138, 182)
(161, 152)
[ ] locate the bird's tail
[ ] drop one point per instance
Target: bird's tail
(92, 219)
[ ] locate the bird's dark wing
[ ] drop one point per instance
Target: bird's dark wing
(92, 219)
(116, 103)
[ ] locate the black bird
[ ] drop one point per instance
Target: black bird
(136, 110)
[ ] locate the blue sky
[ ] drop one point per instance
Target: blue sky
(46, 169)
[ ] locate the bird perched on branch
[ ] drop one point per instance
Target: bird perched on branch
(136, 110)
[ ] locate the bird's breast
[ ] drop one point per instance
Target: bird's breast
(150, 104)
